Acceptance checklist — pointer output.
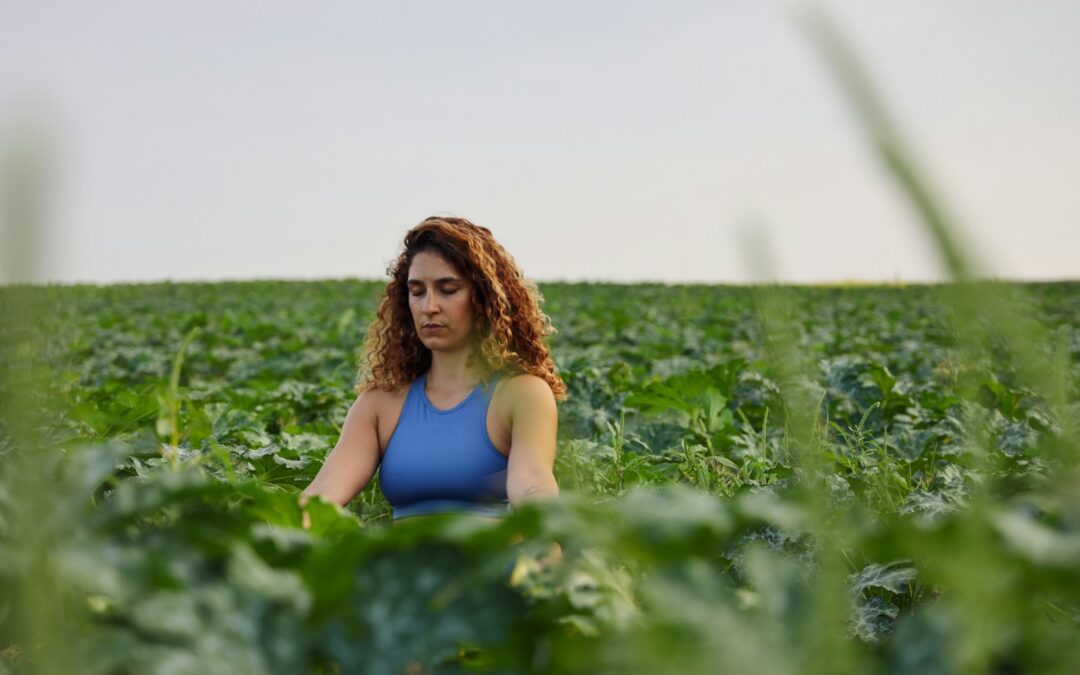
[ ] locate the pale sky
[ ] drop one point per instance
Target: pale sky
(616, 140)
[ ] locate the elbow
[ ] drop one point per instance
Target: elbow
(312, 490)
(327, 494)
(538, 486)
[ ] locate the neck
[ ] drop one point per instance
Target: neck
(450, 371)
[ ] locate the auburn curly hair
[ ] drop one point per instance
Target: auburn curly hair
(510, 325)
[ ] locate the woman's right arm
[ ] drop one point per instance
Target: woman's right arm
(351, 464)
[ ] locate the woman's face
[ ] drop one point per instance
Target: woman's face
(440, 300)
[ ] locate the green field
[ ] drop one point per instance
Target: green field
(754, 479)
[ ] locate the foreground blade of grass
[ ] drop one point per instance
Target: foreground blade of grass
(829, 649)
(39, 622)
(986, 607)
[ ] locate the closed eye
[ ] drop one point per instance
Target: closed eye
(417, 294)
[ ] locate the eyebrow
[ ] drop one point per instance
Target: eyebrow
(440, 280)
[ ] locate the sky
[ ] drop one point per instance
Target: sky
(604, 140)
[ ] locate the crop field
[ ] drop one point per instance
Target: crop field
(754, 479)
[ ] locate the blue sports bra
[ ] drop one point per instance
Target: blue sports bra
(442, 460)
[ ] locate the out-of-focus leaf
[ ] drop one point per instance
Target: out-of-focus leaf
(893, 577)
(1036, 541)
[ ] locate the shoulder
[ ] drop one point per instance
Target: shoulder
(527, 392)
(377, 402)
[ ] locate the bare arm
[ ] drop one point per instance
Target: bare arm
(534, 425)
(352, 463)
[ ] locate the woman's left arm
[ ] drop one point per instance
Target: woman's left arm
(534, 421)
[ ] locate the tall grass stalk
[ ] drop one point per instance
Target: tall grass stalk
(829, 648)
(44, 622)
(985, 605)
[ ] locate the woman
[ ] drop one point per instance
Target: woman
(457, 392)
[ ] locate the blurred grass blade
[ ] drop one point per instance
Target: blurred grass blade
(828, 649)
(983, 605)
(42, 624)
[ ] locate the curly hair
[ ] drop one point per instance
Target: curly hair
(510, 324)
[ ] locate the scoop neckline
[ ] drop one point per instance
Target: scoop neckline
(431, 406)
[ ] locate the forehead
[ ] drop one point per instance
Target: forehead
(430, 267)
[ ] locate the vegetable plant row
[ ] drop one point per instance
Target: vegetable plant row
(754, 479)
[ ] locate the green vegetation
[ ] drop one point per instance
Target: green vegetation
(925, 522)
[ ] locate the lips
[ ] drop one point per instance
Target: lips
(432, 326)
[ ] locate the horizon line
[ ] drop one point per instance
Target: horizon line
(841, 282)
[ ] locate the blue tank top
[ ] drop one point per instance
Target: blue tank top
(442, 460)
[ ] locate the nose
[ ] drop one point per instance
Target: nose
(429, 305)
